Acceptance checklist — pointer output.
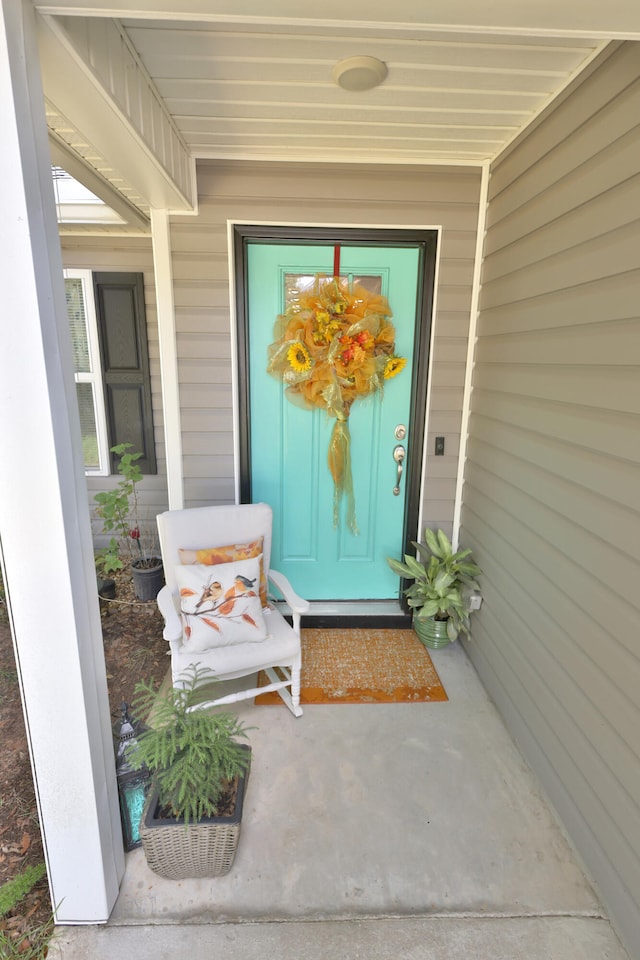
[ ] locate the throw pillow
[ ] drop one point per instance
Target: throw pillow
(220, 604)
(226, 554)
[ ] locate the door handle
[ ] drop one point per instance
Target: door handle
(399, 454)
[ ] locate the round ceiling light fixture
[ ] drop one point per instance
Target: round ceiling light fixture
(359, 73)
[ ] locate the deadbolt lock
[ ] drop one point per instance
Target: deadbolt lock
(400, 432)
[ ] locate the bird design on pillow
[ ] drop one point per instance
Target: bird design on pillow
(215, 601)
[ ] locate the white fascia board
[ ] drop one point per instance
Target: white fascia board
(74, 89)
(617, 19)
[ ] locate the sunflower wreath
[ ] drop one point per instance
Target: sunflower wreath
(335, 344)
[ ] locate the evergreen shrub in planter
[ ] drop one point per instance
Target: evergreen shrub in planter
(191, 822)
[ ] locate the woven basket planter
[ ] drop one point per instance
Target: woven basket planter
(433, 633)
(203, 849)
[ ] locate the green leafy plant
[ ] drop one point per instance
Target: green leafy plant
(30, 943)
(192, 755)
(442, 583)
(14, 890)
(118, 510)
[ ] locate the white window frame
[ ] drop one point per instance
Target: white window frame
(94, 375)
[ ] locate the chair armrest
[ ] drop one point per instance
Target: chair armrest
(172, 623)
(298, 604)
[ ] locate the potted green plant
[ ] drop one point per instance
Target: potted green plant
(443, 583)
(118, 509)
(190, 825)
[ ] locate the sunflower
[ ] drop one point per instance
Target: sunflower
(299, 358)
(393, 366)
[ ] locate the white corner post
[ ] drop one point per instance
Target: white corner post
(45, 537)
(163, 271)
(483, 206)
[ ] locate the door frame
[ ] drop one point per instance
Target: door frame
(428, 241)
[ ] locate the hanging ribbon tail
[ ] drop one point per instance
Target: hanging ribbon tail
(339, 460)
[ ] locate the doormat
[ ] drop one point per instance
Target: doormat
(363, 666)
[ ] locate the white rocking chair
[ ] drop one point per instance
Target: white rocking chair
(203, 528)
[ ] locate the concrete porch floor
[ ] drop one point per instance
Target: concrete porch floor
(378, 831)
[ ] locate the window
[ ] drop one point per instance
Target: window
(108, 332)
(88, 372)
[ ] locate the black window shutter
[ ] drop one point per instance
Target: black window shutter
(122, 329)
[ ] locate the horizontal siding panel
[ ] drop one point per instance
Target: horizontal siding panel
(440, 489)
(201, 294)
(609, 577)
(603, 431)
(447, 398)
(208, 466)
(596, 258)
(548, 654)
(561, 124)
(437, 512)
(189, 235)
(457, 216)
(602, 517)
(215, 346)
(202, 444)
(198, 420)
(453, 300)
(200, 266)
(596, 301)
(611, 478)
(607, 212)
(612, 343)
(617, 162)
(446, 466)
(446, 374)
(452, 324)
(456, 272)
(530, 568)
(610, 388)
(620, 117)
(572, 755)
(199, 492)
(197, 370)
(445, 422)
(451, 350)
(457, 244)
(203, 320)
(206, 396)
(402, 184)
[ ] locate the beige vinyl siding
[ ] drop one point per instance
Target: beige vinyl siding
(280, 193)
(133, 255)
(551, 499)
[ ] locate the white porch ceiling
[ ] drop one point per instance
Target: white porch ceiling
(463, 82)
(267, 94)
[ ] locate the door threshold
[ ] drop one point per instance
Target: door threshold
(343, 614)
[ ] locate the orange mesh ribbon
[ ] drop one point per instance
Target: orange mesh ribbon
(333, 345)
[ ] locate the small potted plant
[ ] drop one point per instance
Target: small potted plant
(118, 510)
(190, 825)
(440, 594)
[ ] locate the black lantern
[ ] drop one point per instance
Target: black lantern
(132, 784)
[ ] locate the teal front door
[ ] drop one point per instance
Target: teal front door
(315, 545)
